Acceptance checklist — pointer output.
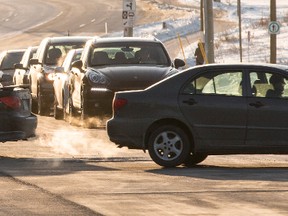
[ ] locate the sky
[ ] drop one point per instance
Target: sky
(255, 19)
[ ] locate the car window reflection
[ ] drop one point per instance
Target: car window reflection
(221, 83)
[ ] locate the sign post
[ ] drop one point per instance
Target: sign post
(128, 16)
(273, 28)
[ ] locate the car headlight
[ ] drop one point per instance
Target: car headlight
(49, 76)
(97, 78)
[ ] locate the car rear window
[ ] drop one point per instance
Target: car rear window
(10, 59)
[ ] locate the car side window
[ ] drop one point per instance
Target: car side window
(267, 84)
(216, 83)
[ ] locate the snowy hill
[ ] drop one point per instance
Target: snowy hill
(255, 20)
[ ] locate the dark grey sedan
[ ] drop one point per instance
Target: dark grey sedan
(16, 120)
(206, 110)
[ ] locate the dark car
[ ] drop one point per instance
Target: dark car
(108, 65)
(22, 69)
(16, 120)
(8, 59)
(206, 110)
(50, 54)
(61, 83)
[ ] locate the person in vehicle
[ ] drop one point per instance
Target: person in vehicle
(278, 84)
(54, 56)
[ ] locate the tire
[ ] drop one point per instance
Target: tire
(34, 107)
(84, 116)
(57, 113)
(42, 110)
(72, 119)
(168, 146)
(193, 159)
(65, 116)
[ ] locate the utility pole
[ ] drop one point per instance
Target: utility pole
(273, 38)
(240, 27)
(209, 30)
(201, 17)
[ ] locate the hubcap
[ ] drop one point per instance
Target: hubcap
(168, 145)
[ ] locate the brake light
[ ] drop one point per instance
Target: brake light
(12, 102)
(119, 103)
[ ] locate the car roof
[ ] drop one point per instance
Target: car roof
(67, 38)
(124, 39)
(243, 65)
(15, 51)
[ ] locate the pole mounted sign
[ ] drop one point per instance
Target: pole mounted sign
(128, 14)
(274, 27)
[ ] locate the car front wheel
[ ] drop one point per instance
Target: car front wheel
(42, 109)
(58, 114)
(168, 146)
(72, 117)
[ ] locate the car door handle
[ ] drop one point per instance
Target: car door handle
(190, 101)
(256, 104)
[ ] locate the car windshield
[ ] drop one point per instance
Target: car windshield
(10, 59)
(129, 53)
(57, 53)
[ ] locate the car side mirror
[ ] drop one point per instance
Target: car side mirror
(179, 63)
(18, 66)
(77, 64)
(34, 61)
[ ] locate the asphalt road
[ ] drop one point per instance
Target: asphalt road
(68, 170)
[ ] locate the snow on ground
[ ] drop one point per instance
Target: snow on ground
(255, 19)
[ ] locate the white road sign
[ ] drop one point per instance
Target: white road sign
(274, 27)
(128, 14)
(129, 5)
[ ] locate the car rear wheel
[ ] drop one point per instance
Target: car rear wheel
(193, 159)
(168, 146)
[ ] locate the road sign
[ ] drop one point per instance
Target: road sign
(128, 16)
(129, 5)
(274, 27)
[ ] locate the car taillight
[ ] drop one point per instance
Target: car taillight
(11, 102)
(119, 103)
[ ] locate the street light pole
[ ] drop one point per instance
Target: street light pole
(209, 30)
(240, 27)
(201, 17)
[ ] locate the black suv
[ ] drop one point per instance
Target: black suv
(108, 65)
(50, 54)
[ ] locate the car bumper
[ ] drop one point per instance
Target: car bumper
(99, 102)
(28, 125)
(20, 128)
(126, 133)
(11, 136)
